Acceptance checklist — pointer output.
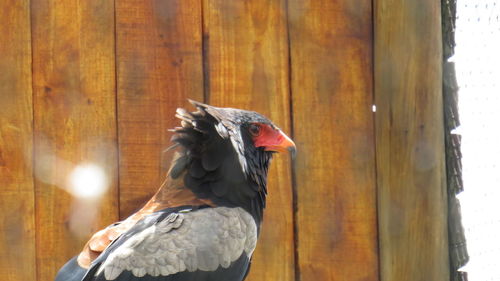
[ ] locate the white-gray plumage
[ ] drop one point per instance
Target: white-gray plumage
(195, 240)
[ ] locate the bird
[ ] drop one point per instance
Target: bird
(204, 221)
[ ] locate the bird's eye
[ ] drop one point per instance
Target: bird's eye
(254, 129)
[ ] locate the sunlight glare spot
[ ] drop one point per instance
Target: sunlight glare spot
(88, 181)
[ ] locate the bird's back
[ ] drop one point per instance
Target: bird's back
(185, 243)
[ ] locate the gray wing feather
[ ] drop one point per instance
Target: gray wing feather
(200, 240)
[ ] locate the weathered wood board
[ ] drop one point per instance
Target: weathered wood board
(410, 141)
(17, 215)
(331, 64)
(74, 122)
(159, 67)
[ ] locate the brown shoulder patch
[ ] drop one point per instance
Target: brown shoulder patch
(171, 194)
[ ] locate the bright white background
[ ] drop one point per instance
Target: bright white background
(477, 58)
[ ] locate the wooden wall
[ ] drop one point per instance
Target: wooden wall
(99, 81)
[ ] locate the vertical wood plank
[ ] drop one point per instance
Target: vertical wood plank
(17, 205)
(75, 122)
(331, 63)
(159, 66)
(246, 59)
(410, 141)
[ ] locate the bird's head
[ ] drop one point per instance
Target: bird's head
(226, 154)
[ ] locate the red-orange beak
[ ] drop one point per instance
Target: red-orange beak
(283, 144)
(273, 139)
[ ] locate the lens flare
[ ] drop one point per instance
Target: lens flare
(87, 181)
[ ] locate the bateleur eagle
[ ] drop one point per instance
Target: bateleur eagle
(204, 221)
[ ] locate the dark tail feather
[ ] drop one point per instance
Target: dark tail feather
(71, 271)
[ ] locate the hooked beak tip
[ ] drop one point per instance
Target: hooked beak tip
(288, 145)
(293, 151)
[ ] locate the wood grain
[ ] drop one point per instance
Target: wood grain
(246, 60)
(17, 214)
(331, 63)
(410, 141)
(159, 66)
(75, 122)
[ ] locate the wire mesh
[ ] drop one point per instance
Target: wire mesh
(477, 58)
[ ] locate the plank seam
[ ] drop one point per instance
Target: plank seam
(116, 114)
(205, 55)
(292, 166)
(33, 143)
(374, 128)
